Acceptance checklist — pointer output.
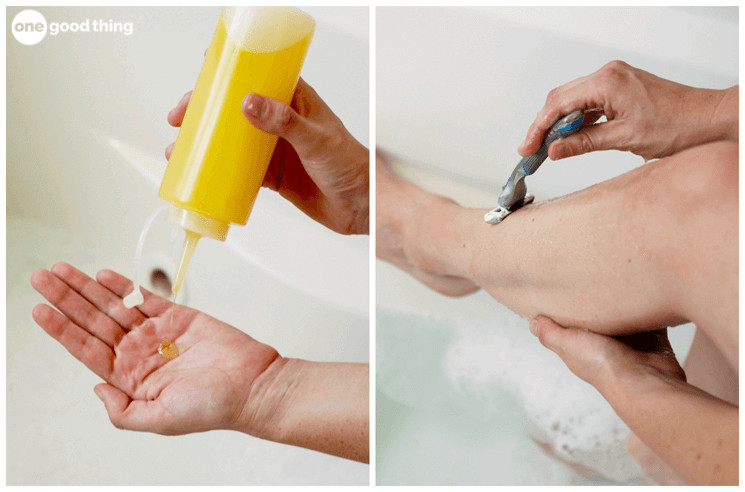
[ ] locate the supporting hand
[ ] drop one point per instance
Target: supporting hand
(600, 359)
(692, 431)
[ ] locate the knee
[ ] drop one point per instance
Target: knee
(700, 195)
(709, 174)
(692, 221)
(693, 193)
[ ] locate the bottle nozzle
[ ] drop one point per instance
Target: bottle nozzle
(195, 226)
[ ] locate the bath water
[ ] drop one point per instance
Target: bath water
(491, 369)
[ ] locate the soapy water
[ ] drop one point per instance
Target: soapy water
(494, 366)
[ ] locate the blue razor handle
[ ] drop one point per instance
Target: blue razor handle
(514, 191)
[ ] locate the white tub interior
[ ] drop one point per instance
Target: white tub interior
(456, 90)
(85, 140)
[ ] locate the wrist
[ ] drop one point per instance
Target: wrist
(352, 194)
(672, 417)
(726, 115)
(361, 199)
(622, 384)
(269, 398)
(705, 116)
(322, 406)
(718, 116)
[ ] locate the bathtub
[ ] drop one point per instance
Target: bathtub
(86, 133)
(456, 89)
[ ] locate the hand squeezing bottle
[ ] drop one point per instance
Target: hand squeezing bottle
(219, 160)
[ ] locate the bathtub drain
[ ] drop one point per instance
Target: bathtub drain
(160, 282)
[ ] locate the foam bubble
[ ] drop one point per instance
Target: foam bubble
(490, 357)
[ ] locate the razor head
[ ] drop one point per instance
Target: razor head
(500, 213)
(496, 216)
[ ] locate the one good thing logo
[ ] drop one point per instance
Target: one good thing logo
(30, 27)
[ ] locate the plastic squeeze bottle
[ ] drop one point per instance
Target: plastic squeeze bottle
(219, 160)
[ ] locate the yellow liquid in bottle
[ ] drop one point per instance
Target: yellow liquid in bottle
(220, 159)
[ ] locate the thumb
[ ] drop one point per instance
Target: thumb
(552, 335)
(590, 139)
(279, 119)
(583, 352)
(124, 413)
(115, 401)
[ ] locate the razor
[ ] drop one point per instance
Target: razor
(514, 193)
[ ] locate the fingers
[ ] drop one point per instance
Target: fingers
(176, 115)
(537, 130)
(552, 335)
(125, 413)
(297, 127)
(276, 118)
(585, 353)
(98, 295)
(91, 351)
(76, 307)
(591, 138)
(581, 142)
(154, 305)
(580, 94)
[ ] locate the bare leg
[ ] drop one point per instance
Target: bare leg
(706, 369)
(653, 247)
(397, 205)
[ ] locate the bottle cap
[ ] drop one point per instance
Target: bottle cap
(266, 29)
(196, 222)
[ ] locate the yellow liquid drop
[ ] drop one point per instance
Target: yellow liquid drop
(167, 349)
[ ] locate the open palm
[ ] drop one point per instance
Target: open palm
(206, 387)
